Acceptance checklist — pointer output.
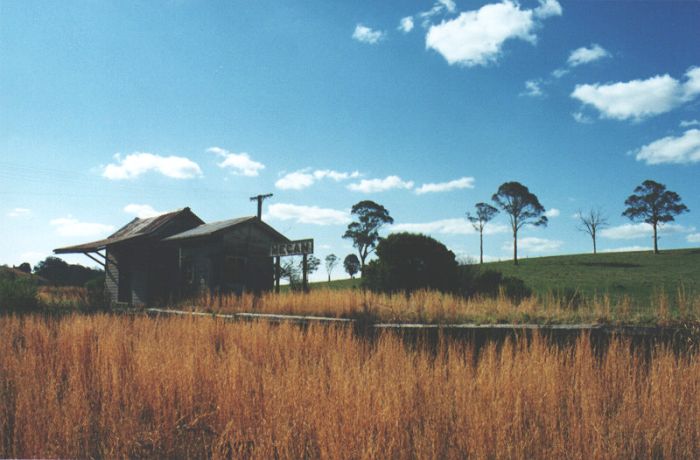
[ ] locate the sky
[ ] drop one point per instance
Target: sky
(112, 110)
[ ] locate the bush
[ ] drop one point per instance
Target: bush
(96, 294)
(407, 262)
(17, 295)
(490, 283)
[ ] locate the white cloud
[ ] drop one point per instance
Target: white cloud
(533, 88)
(239, 164)
(304, 178)
(585, 55)
(476, 37)
(628, 249)
(19, 212)
(71, 227)
(580, 117)
(406, 24)
(365, 34)
(307, 214)
(558, 73)
(138, 163)
(548, 8)
(440, 7)
(689, 123)
(447, 227)
(693, 238)
(641, 230)
(533, 244)
(553, 212)
(639, 99)
(380, 185)
(142, 211)
(462, 183)
(676, 150)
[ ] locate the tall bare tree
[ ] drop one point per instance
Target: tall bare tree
(522, 207)
(590, 222)
(331, 261)
(484, 213)
(653, 204)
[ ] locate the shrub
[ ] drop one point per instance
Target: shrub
(490, 283)
(17, 295)
(407, 262)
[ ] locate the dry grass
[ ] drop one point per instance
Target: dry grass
(105, 386)
(62, 297)
(435, 307)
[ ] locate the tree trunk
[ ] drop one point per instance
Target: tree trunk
(594, 248)
(515, 248)
(329, 277)
(481, 247)
(656, 247)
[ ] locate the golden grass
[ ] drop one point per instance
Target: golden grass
(436, 307)
(106, 386)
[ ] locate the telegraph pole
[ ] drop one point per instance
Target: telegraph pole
(260, 199)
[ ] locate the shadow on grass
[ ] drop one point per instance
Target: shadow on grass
(610, 264)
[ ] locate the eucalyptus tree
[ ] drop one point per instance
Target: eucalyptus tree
(590, 222)
(522, 207)
(364, 232)
(651, 203)
(484, 213)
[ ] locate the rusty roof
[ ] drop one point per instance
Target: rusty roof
(137, 228)
(214, 227)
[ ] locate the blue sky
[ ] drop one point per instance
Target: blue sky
(114, 109)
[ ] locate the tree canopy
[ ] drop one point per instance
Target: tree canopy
(364, 232)
(409, 261)
(522, 207)
(351, 265)
(653, 204)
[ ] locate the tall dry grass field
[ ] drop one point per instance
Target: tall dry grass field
(437, 307)
(106, 386)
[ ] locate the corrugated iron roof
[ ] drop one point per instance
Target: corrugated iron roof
(135, 228)
(209, 229)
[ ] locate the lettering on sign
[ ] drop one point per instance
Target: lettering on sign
(293, 248)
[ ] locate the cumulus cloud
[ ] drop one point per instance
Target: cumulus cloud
(406, 24)
(307, 214)
(240, 164)
(71, 227)
(446, 227)
(367, 35)
(305, 178)
(139, 163)
(533, 244)
(693, 238)
(628, 249)
(380, 185)
(553, 212)
(142, 211)
(639, 99)
(683, 149)
(475, 38)
(19, 212)
(533, 88)
(457, 184)
(584, 55)
(641, 230)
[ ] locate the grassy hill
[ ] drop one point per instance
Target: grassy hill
(639, 275)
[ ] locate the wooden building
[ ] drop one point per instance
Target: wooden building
(176, 255)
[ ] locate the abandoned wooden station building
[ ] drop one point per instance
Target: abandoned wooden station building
(176, 255)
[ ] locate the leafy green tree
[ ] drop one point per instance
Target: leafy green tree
(364, 232)
(409, 261)
(522, 207)
(331, 262)
(484, 213)
(60, 273)
(351, 265)
(653, 204)
(25, 267)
